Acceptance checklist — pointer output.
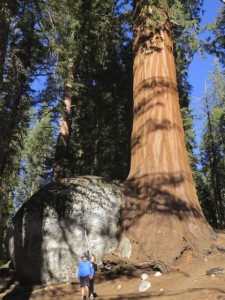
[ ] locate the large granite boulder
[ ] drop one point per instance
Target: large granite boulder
(62, 220)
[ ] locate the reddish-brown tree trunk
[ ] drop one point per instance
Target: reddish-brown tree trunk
(62, 147)
(63, 138)
(161, 215)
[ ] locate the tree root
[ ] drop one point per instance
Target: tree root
(121, 266)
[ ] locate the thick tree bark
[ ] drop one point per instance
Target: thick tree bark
(63, 138)
(161, 216)
(62, 146)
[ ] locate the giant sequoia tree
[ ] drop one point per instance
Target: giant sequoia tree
(161, 217)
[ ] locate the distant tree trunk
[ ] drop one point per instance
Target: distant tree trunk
(10, 127)
(62, 146)
(161, 216)
(63, 138)
(12, 112)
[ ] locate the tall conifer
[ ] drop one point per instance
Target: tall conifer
(162, 217)
(213, 149)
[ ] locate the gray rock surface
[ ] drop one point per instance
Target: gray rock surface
(47, 236)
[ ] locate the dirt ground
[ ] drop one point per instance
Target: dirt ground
(202, 279)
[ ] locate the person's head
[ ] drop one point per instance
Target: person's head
(92, 258)
(84, 256)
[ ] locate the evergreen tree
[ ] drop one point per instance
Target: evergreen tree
(36, 160)
(213, 150)
(104, 126)
(161, 215)
(25, 53)
(215, 43)
(93, 67)
(22, 53)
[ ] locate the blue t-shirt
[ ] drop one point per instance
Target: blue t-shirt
(85, 269)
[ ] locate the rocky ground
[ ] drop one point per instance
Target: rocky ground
(189, 280)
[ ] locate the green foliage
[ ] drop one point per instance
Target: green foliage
(164, 13)
(215, 42)
(93, 53)
(22, 53)
(189, 137)
(36, 159)
(101, 124)
(25, 53)
(213, 149)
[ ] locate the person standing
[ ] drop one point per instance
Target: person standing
(92, 278)
(85, 271)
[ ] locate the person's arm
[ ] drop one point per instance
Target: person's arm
(78, 271)
(95, 267)
(92, 270)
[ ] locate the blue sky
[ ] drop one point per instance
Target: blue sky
(200, 68)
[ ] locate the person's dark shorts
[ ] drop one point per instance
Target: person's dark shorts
(84, 281)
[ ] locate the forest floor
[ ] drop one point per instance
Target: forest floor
(190, 279)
